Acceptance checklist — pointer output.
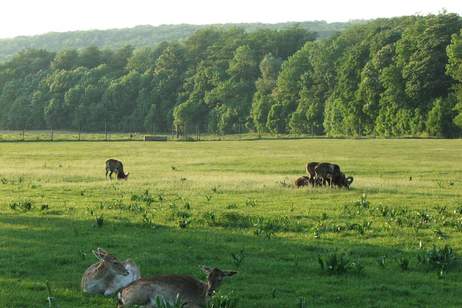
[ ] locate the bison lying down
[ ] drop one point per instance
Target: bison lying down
(305, 181)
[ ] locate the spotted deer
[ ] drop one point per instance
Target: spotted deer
(109, 274)
(115, 166)
(192, 293)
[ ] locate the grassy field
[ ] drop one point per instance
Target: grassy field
(187, 204)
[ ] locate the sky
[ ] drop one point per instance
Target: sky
(30, 17)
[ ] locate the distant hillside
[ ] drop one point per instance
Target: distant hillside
(140, 36)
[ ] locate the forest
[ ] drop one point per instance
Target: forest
(387, 77)
(145, 35)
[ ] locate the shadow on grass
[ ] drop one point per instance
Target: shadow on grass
(274, 273)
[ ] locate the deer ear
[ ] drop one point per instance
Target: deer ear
(100, 253)
(206, 269)
(230, 273)
(97, 255)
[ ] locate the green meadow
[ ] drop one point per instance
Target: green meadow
(392, 240)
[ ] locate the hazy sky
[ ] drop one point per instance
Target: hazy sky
(27, 17)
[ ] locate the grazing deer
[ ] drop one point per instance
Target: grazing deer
(192, 292)
(108, 275)
(114, 165)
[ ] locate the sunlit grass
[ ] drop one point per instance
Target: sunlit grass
(232, 191)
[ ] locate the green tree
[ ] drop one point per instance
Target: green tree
(276, 122)
(262, 99)
(168, 76)
(454, 70)
(66, 60)
(439, 119)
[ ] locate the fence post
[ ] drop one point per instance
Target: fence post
(239, 125)
(52, 133)
(105, 128)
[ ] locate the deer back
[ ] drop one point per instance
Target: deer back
(97, 278)
(191, 291)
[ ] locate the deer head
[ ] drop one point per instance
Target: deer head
(109, 262)
(215, 277)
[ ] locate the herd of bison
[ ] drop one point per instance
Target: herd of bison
(320, 174)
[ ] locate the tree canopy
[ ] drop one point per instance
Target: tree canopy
(387, 77)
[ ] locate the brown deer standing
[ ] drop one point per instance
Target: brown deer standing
(192, 292)
(115, 166)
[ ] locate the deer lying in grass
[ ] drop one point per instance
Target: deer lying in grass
(115, 166)
(192, 292)
(109, 274)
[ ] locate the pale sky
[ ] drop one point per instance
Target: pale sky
(28, 17)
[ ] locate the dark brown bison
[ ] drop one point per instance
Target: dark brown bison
(115, 166)
(327, 172)
(310, 169)
(302, 181)
(305, 181)
(342, 181)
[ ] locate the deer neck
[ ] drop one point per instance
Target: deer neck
(102, 270)
(207, 290)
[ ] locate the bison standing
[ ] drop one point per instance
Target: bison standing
(115, 166)
(327, 173)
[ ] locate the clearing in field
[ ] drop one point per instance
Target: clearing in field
(394, 239)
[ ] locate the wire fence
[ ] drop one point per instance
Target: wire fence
(111, 136)
(51, 136)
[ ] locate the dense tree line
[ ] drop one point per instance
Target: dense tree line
(142, 36)
(388, 77)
